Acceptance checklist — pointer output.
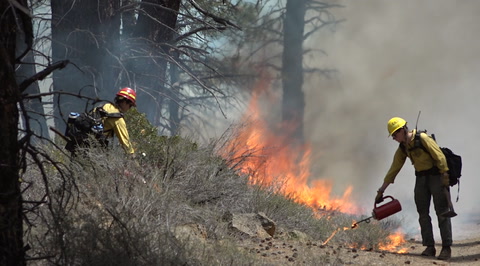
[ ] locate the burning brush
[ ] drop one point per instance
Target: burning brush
(378, 213)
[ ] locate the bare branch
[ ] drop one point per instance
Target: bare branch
(215, 18)
(42, 74)
(39, 95)
(188, 34)
(17, 5)
(60, 134)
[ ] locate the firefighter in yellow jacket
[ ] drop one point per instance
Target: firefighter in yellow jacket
(432, 181)
(115, 124)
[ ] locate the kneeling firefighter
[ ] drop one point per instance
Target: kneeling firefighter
(114, 123)
(103, 123)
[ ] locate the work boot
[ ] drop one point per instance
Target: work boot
(445, 254)
(429, 251)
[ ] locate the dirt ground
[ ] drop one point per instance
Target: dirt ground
(280, 252)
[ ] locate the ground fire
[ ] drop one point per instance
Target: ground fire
(270, 160)
(394, 241)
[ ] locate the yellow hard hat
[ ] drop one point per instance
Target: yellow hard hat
(395, 124)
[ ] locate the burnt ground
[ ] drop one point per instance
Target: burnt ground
(281, 252)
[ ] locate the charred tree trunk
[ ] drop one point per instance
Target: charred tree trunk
(173, 99)
(128, 18)
(293, 105)
(25, 70)
(154, 32)
(11, 230)
(38, 122)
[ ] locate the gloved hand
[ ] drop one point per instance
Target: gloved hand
(445, 179)
(379, 197)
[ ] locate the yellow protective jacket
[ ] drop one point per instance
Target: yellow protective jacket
(420, 159)
(117, 126)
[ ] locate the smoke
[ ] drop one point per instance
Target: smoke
(396, 58)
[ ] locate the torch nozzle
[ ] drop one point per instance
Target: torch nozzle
(367, 220)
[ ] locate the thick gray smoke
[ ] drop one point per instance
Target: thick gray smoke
(396, 58)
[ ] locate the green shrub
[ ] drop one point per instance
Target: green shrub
(150, 146)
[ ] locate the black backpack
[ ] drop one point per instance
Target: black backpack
(82, 127)
(454, 161)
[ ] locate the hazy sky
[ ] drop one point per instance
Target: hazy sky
(396, 58)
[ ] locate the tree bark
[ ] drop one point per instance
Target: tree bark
(154, 30)
(173, 99)
(11, 230)
(293, 103)
(37, 121)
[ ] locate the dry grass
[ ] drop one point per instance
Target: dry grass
(111, 210)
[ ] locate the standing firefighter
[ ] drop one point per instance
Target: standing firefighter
(102, 123)
(432, 180)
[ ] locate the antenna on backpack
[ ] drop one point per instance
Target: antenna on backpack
(418, 117)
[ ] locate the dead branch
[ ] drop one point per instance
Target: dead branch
(42, 74)
(188, 34)
(217, 19)
(60, 134)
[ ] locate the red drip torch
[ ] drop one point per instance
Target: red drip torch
(383, 211)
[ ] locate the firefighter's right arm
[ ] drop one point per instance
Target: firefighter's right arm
(121, 132)
(397, 164)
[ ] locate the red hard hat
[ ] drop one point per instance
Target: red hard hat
(128, 93)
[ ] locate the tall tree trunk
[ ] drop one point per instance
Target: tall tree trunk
(38, 122)
(86, 33)
(155, 29)
(293, 105)
(173, 99)
(26, 69)
(11, 233)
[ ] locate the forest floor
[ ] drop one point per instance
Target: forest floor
(288, 252)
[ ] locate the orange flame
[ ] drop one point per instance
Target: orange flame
(271, 159)
(331, 236)
(394, 241)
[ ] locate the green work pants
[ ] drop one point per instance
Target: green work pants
(427, 187)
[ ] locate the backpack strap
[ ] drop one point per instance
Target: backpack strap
(458, 189)
(104, 113)
(416, 144)
(114, 115)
